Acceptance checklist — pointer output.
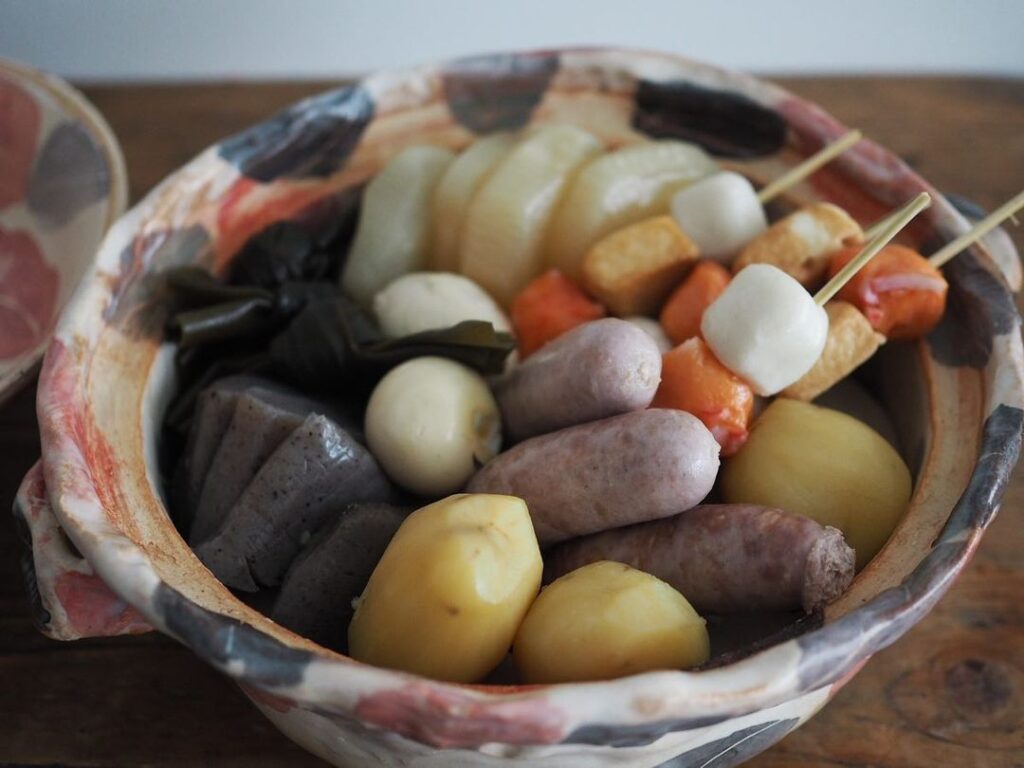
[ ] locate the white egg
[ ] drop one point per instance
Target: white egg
(431, 423)
(720, 213)
(653, 329)
(766, 328)
(422, 301)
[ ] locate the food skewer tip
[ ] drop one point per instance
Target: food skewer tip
(978, 231)
(799, 172)
(892, 227)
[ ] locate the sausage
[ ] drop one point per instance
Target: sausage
(626, 469)
(726, 558)
(596, 370)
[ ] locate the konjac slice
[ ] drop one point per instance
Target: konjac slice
(394, 231)
(318, 469)
(618, 189)
(503, 235)
(455, 191)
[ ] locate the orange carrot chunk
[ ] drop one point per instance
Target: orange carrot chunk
(680, 317)
(547, 307)
(693, 380)
(899, 292)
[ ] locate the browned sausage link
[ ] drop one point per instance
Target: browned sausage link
(726, 558)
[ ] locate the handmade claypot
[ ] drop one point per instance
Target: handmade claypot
(955, 399)
(62, 184)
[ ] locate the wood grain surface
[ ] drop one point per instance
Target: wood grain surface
(950, 693)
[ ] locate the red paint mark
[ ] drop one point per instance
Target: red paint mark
(68, 417)
(872, 166)
(19, 133)
(93, 610)
(276, 703)
(446, 719)
(28, 293)
(250, 207)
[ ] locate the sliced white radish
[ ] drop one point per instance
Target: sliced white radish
(454, 192)
(394, 230)
(503, 234)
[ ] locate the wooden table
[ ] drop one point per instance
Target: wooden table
(950, 693)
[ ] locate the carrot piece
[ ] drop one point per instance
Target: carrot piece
(681, 315)
(693, 380)
(899, 292)
(547, 307)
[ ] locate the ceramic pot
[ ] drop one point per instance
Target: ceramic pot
(955, 399)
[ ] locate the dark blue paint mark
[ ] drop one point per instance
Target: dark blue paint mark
(979, 308)
(70, 174)
(499, 92)
(266, 662)
(637, 735)
(724, 123)
(313, 138)
(734, 748)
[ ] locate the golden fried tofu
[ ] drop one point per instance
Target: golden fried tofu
(851, 341)
(634, 269)
(801, 243)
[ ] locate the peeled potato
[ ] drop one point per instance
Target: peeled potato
(503, 234)
(393, 233)
(451, 198)
(618, 189)
(606, 620)
(825, 465)
(446, 598)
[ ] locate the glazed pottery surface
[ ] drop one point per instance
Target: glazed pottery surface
(62, 184)
(955, 399)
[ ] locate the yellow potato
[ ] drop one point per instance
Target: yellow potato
(825, 465)
(446, 598)
(606, 620)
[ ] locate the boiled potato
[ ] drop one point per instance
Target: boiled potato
(825, 465)
(606, 620)
(452, 587)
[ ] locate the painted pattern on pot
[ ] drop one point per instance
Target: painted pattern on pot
(62, 184)
(959, 393)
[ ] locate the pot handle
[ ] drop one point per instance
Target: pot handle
(69, 600)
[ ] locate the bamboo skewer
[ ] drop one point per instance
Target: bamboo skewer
(978, 231)
(893, 225)
(800, 172)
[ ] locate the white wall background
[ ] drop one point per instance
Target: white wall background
(218, 39)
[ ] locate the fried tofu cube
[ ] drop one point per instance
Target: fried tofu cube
(634, 269)
(851, 342)
(801, 243)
